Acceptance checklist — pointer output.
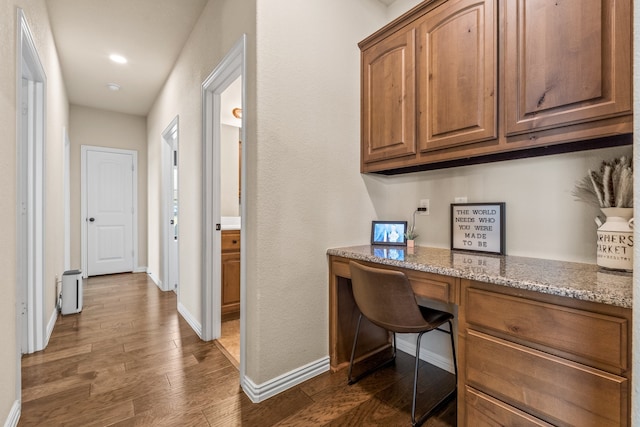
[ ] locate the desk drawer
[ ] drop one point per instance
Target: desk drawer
(589, 336)
(553, 389)
(485, 411)
(432, 286)
(230, 240)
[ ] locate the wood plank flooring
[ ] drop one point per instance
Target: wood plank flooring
(129, 359)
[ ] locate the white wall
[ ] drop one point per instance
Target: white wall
(229, 170)
(221, 24)
(307, 194)
(542, 218)
(398, 7)
(101, 128)
(56, 120)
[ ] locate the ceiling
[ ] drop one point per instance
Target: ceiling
(149, 33)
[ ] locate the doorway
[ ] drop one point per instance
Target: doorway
(230, 205)
(223, 76)
(171, 208)
(109, 209)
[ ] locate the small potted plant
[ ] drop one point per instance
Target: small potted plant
(410, 237)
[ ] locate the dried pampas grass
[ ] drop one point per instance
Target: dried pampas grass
(611, 186)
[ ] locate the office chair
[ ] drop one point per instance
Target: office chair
(386, 299)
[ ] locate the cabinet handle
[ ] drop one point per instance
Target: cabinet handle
(234, 241)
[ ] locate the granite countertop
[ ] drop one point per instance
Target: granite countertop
(569, 279)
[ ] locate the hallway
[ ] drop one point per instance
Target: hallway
(130, 359)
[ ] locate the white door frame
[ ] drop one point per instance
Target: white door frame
(232, 66)
(31, 200)
(66, 155)
(84, 223)
(170, 143)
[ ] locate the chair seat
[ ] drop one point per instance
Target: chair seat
(435, 318)
(432, 320)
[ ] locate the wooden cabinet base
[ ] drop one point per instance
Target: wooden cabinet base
(230, 272)
(532, 359)
(555, 389)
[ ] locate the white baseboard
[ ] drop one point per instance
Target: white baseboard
(195, 325)
(140, 270)
(14, 415)
(156, 280)
(409, 346)
(258, 393)
(50, 326)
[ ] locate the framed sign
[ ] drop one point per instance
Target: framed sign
(478, 227)
(388, 232)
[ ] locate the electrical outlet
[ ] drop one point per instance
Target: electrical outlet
(423, 207)
(461, 199)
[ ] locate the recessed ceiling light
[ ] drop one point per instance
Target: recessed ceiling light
(118, 58)
(113, 87)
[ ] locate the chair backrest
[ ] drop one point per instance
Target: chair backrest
(386, 298)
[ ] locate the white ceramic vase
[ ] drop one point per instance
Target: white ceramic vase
(615, 239)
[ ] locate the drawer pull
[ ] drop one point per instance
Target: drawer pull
(234, 242)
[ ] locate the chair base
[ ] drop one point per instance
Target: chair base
(414, 421)
(426, 415)
(352, 380)
(445, 399)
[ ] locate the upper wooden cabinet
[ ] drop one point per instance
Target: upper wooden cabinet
(566, 61)
(457, 71)
(460, 79)
(388, 98)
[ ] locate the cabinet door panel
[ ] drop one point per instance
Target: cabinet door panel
(485, 411)
(566, 62)
(457, 75)
(230, 278)
(230, 241)
(553, 389)
(388, 98)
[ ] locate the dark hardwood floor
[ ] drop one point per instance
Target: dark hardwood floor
(129, 359)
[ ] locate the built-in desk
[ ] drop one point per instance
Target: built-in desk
(540, 342)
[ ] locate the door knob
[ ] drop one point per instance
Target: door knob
(91, 219)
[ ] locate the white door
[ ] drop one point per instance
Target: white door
(171, 273)
(110, 212)
(173, 221)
